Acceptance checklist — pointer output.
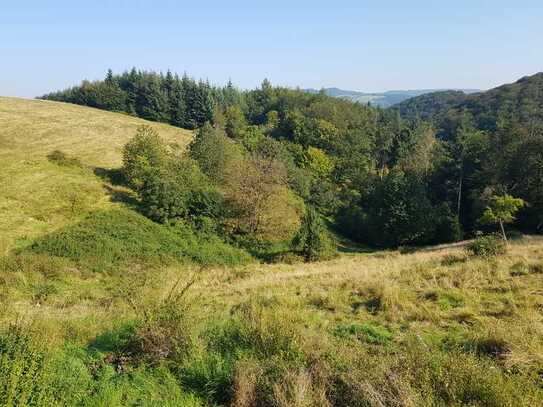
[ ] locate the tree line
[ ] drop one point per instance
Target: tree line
(180, 101)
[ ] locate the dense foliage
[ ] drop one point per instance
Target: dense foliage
(166, 98)
(420, 174)
(520, 101)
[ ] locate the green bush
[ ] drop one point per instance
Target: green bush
(520, 268)
(396, 211)
(178, 190)
(141, 154)
(487, 246)
(169, 185)
(254, 332)
(447, 301)
(258, 331)
(210, 376)
(455, 378)
(161, 334)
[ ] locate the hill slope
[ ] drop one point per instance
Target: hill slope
(433, 327)
(38, 195)
(522, 99)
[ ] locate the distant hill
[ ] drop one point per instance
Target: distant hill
(522, 100)
(383, 99)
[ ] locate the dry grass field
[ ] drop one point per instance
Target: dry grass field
(38, 196)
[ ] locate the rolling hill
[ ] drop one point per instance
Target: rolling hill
(85, 321)
(523, 100)
(382, 99)
(37, 194)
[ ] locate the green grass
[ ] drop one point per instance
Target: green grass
(466, 333)
(123, 239)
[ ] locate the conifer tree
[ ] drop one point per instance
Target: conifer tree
(312, 240)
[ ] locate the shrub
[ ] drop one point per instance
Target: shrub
(141, 154)
(451, 260)
(162, 334)
(447, 301)
(209, 375)
(178, 190)
(487, 246)
(519, 269)
(107, 239)
(272, 383)
(287, 258)
(258, 331)
(215, 153)
(448, 228)
(169, 186)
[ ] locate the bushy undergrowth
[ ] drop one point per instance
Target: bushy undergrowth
(487, 246)
(23, 369)
(110, 239)
(32, 375)
(260, 355)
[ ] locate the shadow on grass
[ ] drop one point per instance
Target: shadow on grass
(114, 176)
(116, 186)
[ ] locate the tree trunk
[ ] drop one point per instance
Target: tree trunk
(503, 232)
(460, 191)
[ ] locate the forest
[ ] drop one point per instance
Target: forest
(268, 160)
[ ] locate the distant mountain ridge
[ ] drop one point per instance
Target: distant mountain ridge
(383, 99)
(521, 100)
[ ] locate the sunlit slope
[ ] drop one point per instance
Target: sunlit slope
(36, 195)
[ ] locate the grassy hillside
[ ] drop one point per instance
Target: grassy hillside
(38, 195)
(100, 306)
(429, 328)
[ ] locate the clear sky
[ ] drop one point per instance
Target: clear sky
(366, 45)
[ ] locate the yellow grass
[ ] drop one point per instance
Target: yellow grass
(37, 196)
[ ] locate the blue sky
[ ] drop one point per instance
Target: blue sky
(366, 45)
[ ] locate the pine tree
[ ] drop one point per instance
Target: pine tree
(152, 102)
(312, 240)
(109, 77)
(177, 104)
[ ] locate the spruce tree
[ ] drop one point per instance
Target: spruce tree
(312, 240)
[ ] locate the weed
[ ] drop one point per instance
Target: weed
(367, 332)
(519, 269)
(487, 246)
